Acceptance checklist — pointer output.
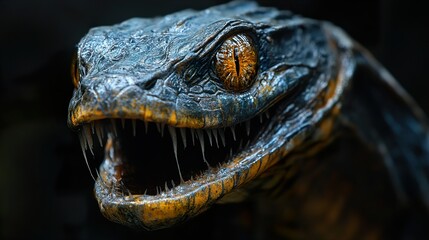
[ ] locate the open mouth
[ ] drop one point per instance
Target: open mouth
(154, 158)
(153, 175)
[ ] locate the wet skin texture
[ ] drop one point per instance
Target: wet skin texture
(343, 153)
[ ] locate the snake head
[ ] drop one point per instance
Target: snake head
(246, 83)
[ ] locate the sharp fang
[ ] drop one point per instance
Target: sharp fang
(157, 191)
(201, 138)
(92, 126)
(209, 133)
(145, 191)
(172, 183)
(123, 122)
(99, 133)
(128, 192)
(267, 114)
(214, 131)
(260, 118)
(233, 132)
(247, 144)
(166, 187)
(174, 139)
(241, 144)
(83, 146)
(82, 142)
(114, 127)
(133, 123)
(192, 135)
(98, 177)
(222, 136)
(88, 137)
(146, 126)
(82, 139)
(248, 127)
(173, 135)
(183, 134)
(162, 129)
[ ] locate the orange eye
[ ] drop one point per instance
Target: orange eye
(236, 63)
(75, 71)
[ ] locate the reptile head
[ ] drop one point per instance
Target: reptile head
(209, 78)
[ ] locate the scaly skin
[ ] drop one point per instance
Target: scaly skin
(161, 70)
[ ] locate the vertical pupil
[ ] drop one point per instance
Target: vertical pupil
(236, 61)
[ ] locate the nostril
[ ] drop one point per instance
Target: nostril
(149, 84)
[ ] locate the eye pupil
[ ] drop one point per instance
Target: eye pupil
(236, 63)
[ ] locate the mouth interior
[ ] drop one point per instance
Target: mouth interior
(148, 152)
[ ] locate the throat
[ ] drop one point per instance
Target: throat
(163, 158)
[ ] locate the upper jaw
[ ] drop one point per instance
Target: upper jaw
(116, 96)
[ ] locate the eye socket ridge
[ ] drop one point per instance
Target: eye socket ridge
(236, 62)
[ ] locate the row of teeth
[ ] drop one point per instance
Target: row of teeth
(96, 128)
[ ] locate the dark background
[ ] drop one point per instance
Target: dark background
(45, 188)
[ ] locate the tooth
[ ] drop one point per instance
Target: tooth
(173, 135)
(123, 122)
(99, 133)
(209, 133)
(267, 114)
(146, 126)
(162, 129)
(201, 138)
(192, 135)
(227, 157)
(230, 152)
(83, 147)
(114, 127)
(222, 136)
(172, 183)
(145, 191)
(88, 136)
(133, 123)
(233, 132)
(214, 131)
(98, 174)
(82, 139)
(92, 126)
(157, 191)
(183, 134)
(260, 118)
(82, 143)
(241, 144)
(166, 187)
(248, 127)
(174, 139)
